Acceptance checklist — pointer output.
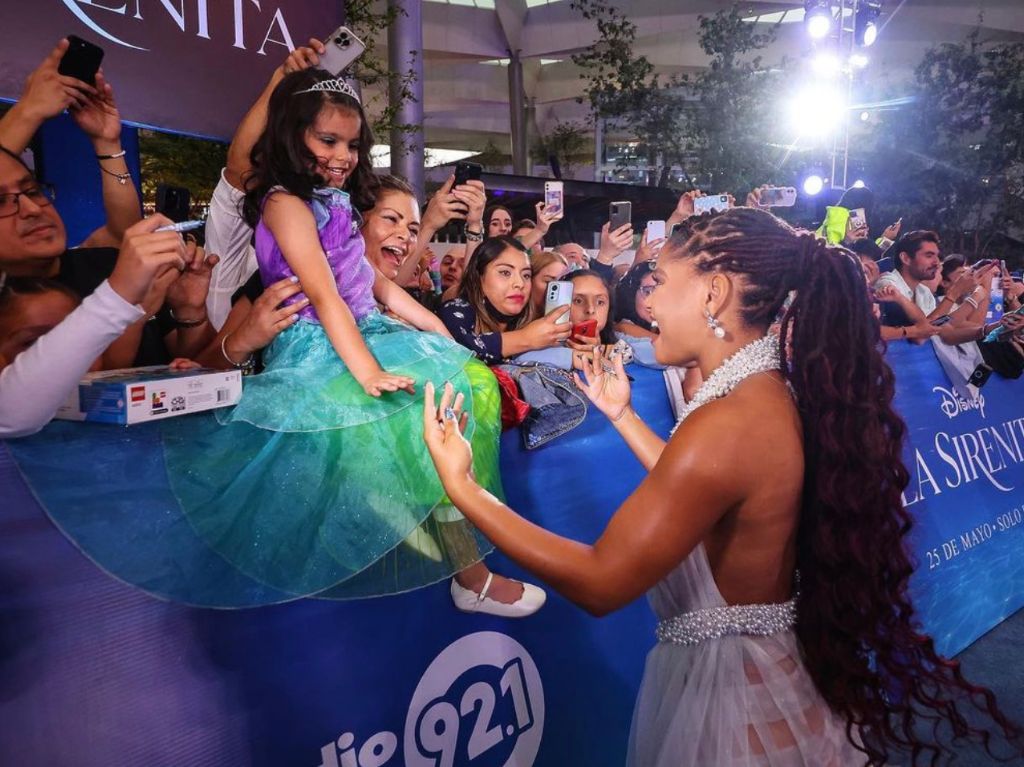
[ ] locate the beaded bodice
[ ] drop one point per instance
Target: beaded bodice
(687, 602)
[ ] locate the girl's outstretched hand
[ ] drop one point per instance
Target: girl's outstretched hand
(442, 431)
(383, 381)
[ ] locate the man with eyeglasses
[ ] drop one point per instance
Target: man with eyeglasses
(33, 240)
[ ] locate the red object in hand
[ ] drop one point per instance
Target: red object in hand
(587, 329)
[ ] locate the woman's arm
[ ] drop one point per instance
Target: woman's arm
(294, 229)
(40, 379)
(405, 306)
(656, 528)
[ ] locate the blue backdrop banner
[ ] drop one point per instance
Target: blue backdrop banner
(966, 495)
(94, 673)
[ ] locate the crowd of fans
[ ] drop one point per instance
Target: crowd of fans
(131, 294)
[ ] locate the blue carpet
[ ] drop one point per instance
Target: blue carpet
(994, 661)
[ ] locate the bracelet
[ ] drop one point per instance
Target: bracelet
(246, 366)
(122, 178)
(115, 156)
(472, 236)
(187, 323)
(618, 418)
(970, 300)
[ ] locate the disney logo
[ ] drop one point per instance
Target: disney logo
(953, 404)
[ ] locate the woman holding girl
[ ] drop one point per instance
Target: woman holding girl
(309, 486)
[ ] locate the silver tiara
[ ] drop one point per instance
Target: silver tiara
(336, 85)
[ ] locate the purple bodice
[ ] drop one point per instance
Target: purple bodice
(337, 224)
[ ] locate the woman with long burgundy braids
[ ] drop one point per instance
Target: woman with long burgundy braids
(769, 532)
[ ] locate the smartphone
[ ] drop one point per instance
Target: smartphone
(980, 375)
(586, 328)
(175, 202)
(467, 171)
(342, 48)
(559, 294)
(554, 197)
(655, 230)
(712, 203)
(81, 60)
(619, 214)
(938, 323)
(778, 197)
(858, 220)
(977, 267)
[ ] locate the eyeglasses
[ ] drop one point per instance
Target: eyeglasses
(41, 195)
(646, 290)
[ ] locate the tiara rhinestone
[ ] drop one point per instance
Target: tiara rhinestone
(334, 85)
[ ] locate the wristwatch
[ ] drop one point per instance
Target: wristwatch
(472, 236)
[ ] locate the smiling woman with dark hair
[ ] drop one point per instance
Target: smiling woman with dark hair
(769, 532)
(492, 315)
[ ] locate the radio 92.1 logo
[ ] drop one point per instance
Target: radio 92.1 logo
(479, 704)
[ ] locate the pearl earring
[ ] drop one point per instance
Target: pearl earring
(714, 325)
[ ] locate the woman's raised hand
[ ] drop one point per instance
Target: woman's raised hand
(443, 426)
(606, 384)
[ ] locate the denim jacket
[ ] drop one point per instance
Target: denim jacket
(556, 405)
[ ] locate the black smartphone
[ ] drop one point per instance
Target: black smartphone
(980, 375)
(619, 214)
(175, 202)
(978, 266)
(938, 323)
(467, 171)
(81, 60)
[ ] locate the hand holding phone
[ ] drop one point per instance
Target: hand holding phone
(777, 197)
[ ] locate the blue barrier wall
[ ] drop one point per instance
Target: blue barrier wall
(97, 674)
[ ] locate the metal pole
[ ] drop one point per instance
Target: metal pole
(405, 55)
(517, 113)
(598, 148)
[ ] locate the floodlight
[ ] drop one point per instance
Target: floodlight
(818, 18)
(813, 185)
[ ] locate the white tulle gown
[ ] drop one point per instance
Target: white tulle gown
(725, 686)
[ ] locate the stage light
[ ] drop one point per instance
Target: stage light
(865, 25)
(817, 110)
(859, 61)
(813, 185)
(858, 184)
(865, 116)
(818, 18)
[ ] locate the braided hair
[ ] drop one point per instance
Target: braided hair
(855, 623)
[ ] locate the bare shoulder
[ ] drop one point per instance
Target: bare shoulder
(752, 436)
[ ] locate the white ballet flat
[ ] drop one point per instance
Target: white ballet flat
(468, 601)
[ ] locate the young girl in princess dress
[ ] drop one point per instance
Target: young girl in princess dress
(316, 483)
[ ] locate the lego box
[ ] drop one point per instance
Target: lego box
(138, 395)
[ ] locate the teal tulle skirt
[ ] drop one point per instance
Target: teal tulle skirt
(307, 487)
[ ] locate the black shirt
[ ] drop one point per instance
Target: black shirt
(83, 269)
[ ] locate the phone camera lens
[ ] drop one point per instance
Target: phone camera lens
(337, 41)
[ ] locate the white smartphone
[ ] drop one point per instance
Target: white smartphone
(342, 48)
(559, 294)
(778, 197)
(655, 230)
(554, 197)
(711, 203)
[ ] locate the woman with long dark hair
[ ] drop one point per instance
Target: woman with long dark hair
(787, 460)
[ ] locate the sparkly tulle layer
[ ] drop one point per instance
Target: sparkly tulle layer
(308, 487)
